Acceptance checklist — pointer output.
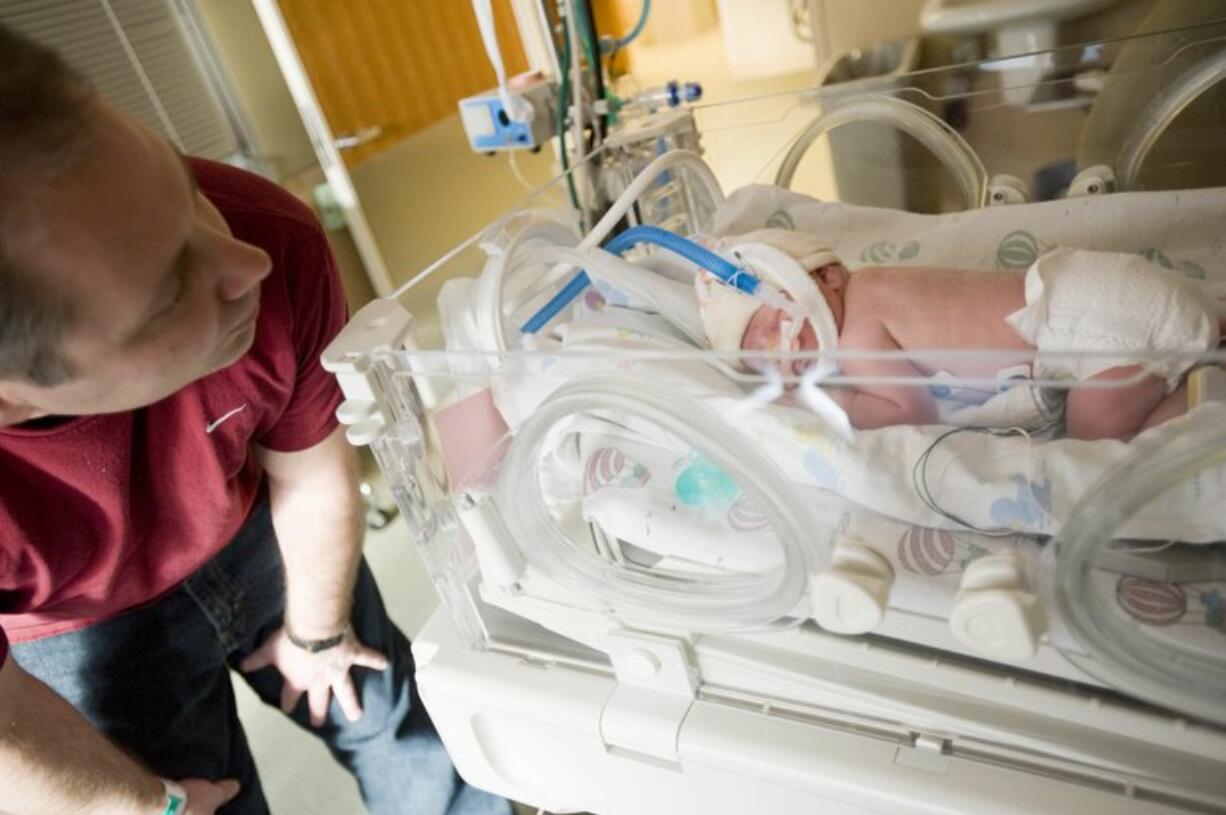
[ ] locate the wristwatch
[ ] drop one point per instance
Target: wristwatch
(315, 646)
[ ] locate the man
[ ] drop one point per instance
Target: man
(175, 497)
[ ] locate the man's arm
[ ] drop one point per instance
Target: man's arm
(317, 514)
(53, 762)
(318, 518)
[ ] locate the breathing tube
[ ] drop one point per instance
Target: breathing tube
(731, 274)
(685, 601)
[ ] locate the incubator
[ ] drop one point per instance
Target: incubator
(678, 576)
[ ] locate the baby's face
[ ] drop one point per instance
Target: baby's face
(766, 333)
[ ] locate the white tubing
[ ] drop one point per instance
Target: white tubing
(670, 160)
(673, 158)
(576, 95)
(491, 285)
(518, 110)
(621, 274)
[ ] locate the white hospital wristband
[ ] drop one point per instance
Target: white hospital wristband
(176, 798)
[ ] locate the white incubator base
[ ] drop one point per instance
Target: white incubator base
(561, 733)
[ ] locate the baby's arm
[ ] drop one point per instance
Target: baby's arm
(870, 406)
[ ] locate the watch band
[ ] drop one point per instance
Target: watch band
(315, 646)
(176, 798)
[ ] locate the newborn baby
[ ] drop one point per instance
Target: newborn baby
(1068, 300)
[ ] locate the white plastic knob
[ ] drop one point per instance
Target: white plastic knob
(1006, 189)
(1095, 180)
(852, 595)
(352, 411)
(995, 615)
(640, 664)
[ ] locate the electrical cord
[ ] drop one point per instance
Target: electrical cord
(622, 42)
(919, 475)
(587, 26)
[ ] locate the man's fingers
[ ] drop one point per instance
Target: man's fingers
(205, 797)
(317, 703)
(370, 658)
(289, 697)
(229, 788)
(254, 662)
(347, 698)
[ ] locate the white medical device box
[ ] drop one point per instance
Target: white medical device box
(490, 127)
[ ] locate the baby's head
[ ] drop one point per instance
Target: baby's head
(736, 321)
(765, 329)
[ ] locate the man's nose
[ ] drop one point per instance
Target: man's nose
(243, 267)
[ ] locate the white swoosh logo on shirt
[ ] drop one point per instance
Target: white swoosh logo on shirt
(211, 426)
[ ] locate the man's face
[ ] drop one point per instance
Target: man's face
(160, 292)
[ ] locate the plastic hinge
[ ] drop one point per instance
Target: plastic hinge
(995, 614)
(851, 596)
(380, 325)
(643, 722)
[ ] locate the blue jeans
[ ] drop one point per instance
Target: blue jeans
(156, 681)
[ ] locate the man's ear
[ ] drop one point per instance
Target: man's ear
(13, 410)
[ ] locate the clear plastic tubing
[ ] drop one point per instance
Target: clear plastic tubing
(726, 271)
(686, 159)
(1184, 678)
(683, 601)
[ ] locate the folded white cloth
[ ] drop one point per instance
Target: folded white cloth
(1112, 303)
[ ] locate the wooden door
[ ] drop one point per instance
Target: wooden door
(394, 67)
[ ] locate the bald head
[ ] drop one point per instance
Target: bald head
(43, 105)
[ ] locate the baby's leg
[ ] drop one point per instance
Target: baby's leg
(1117, 412)
(1175, 404)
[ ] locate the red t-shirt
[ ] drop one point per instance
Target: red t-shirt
(99, 514)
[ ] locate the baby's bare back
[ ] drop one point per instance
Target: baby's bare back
(920, 308)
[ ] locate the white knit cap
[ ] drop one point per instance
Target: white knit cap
(808, 250)
(725, 311)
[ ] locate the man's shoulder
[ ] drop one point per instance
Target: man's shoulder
(249, 200)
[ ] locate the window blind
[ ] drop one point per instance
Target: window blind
(145, 57)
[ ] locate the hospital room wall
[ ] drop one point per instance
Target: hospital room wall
(251, 71)
(280, 141)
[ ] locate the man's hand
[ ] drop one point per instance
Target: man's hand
(320, 676)
(206, 797)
